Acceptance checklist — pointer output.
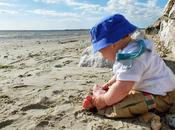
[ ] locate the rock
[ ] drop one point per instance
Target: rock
(170, 119)
(88, 59)
(165, 26)
(167, 34)
(168, 7)
(170, 63)
(156, 124)
(154, 29)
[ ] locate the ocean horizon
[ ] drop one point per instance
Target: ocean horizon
(43, 34)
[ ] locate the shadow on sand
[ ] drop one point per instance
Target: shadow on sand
(171, 64)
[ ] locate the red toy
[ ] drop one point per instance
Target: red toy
(87, 102)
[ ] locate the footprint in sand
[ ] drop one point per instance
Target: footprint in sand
(47, 120)
(106, 124)
(42, 72)
(4, 99)
(21, 86)
(83, 116)
(55, 92)
(5, 123)
(76, 96)
(67, 62)
(24, 75)
(43, 103)
(44, 121)
(34, 106)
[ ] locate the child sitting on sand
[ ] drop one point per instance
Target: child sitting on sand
(141, 80)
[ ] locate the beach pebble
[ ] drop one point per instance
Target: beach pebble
(170, 119)
(38, 42)
(5, 56)
(58, 66)
(20, 76)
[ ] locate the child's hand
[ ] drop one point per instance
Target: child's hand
(92, 101)
(98, 102)
(105, 86)
(97, 90)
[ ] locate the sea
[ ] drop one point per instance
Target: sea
(40, 34)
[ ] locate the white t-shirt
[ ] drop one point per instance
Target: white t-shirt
(148, 71)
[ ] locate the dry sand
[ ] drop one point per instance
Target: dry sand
(42, 87)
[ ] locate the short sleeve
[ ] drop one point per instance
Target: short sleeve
(131, 71)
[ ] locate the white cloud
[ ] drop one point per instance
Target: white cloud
(6, 4)
(135, 10)
(4, 11)
(49, 1)
(91, 8)
(141, 13)
(82, 14)
(53, 13)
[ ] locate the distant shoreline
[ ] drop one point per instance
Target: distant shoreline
(52, 30)
(40, 34)
(47, 30)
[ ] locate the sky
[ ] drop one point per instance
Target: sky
(74, 14)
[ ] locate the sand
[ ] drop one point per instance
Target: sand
(42, 87)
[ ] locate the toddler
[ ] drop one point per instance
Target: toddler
(141, 81)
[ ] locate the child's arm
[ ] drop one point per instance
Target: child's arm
(109, 83)
(118, 91)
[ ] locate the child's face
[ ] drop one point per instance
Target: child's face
(110, 51)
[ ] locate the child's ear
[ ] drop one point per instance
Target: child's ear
(113, 46)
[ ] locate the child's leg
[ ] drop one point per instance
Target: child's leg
(153, 119)
(172, 108)
(133, 104)
(139, 103)
(166, 103)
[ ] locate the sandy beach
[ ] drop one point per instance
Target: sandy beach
(42, 87)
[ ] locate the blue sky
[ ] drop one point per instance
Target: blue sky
(74, 14)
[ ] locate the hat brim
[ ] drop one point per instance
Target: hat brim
(113, 37)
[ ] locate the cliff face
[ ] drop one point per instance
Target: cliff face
(165, 27)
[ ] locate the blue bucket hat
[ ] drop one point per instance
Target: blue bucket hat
(110, 30)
